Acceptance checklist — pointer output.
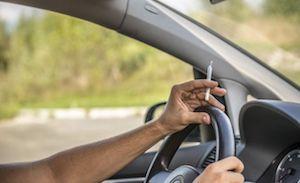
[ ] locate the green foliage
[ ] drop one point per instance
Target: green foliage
(285, 8)
(59, 61)
(3, 48)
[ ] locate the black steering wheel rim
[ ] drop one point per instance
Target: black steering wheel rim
(225, 144)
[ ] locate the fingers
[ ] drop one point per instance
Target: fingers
(198, 117)
(212, 101)
(226, 170)
(231, 163)
(231, 177)
(196, 84)
(193, 104)
(215, 91)
(218, 91)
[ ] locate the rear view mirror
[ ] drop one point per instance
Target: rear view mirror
(215, 1)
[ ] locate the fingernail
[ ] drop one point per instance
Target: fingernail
(206, 119)
(223, 108)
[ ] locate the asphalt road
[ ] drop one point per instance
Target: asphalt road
(35, 140)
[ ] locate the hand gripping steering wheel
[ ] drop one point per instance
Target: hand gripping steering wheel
(158, 171)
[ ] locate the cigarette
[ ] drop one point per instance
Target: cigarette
(208, 77)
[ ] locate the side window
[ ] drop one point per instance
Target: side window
(65, 82)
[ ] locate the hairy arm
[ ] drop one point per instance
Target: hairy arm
(97, 161)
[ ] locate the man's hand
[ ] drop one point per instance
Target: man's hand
(224, 171)
(98, 161)
(183, 100)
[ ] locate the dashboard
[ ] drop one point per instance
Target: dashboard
(270, 141)
(288, 169)
(285, 168)
(269, 146)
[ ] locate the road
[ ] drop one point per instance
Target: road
(34, 140)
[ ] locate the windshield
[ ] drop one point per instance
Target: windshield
(268, 29)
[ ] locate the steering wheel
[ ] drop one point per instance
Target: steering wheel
(158, 171)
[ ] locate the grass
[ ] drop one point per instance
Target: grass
(109, 99)
(113, 99)
(146, 87)
(8, 110)
(134, 93)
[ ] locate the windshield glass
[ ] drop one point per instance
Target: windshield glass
(268, 29)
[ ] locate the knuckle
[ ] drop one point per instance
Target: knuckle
(201, 95)
(238, 162)
(174, 88)
(234, 159)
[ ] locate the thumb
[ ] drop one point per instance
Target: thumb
(198, 117)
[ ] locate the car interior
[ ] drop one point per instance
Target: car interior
(261, 124)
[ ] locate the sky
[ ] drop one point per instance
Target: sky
(10, 13)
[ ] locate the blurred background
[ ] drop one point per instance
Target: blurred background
(51, 62)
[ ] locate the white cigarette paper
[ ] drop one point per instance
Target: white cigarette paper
(208, 77)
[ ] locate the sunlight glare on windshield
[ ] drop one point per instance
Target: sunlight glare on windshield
(268, 29)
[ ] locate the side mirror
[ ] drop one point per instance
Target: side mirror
(150, 114)
(155, 110)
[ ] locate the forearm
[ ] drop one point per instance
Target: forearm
(98, 161)
(26, 172)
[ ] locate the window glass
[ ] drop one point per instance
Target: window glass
(268, 29)
(66, 82)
